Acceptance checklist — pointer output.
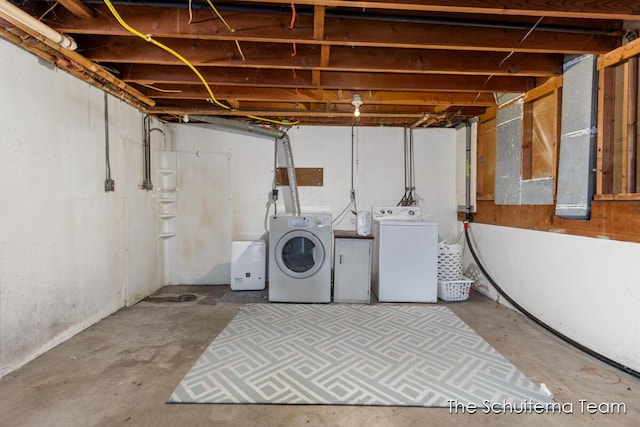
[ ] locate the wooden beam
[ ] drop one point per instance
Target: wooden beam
(318, 34)
(278, 113)
(605, 137)
(596, 9)
(318, 22)
(325, 52)
(73, 63)
(526, 161)
(626, 148)
(557, 129)
(78, 8)
(315, 78)
(486, 158)
(116, 49)
(630, 117)
(288, 107)
(173, 23)
(453, 83)
(624, 196)
(551, 85)
(619, 55)
(330, 80)
(310, 108)
(246, 93)
(612, 219)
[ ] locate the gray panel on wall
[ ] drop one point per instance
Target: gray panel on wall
(537, 191)
(510, 189)
(508, 154)
(576, 174)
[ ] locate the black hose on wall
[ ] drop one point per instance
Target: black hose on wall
(563, 337)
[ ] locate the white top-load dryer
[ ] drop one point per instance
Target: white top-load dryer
(405, 265)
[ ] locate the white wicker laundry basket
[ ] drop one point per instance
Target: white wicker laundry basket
(454, 290)
(449, 262)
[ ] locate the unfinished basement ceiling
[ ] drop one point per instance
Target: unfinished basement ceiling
(413, 63)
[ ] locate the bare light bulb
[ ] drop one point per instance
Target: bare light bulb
(357, 102)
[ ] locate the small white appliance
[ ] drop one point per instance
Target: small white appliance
(405, 264)
(300, 258)
(363, 223)
(248, 265)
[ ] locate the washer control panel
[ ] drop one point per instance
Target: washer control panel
(396, 213)
(311, 221)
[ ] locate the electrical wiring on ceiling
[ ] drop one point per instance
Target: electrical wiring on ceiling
(148, 38)
(293, 16)
(292, 25)
(150, 86)
(219, 15)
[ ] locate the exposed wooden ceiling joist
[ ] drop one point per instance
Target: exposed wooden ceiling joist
(172, 91)
(274, 28)
(597, 9)
(77, 7)
(414, 62)
(130, 50)
(330, 79)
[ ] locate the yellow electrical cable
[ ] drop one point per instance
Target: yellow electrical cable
(148, 38)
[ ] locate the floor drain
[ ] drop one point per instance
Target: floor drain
(173, 298)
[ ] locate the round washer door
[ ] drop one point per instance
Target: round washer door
(299, 254)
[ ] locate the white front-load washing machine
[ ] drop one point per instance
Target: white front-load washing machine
(300, 258)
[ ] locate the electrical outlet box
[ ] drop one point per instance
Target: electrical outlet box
(109, 185)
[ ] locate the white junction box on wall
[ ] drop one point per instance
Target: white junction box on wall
(248, 265)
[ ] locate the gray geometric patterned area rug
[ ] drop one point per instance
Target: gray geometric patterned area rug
(383, 355)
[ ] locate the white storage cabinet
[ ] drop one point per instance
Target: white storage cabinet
(352, 267)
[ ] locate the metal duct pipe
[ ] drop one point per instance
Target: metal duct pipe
(15, 14)
(291, 173)
(228, 124)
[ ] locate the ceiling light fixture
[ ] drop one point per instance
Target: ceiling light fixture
(357, 102)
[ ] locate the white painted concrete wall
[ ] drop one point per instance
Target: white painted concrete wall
(584, 287)
(378, 175)
(70, 254)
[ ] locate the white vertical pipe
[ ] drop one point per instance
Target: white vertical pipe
(14, 13)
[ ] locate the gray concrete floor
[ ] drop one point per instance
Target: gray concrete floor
(121, 371)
